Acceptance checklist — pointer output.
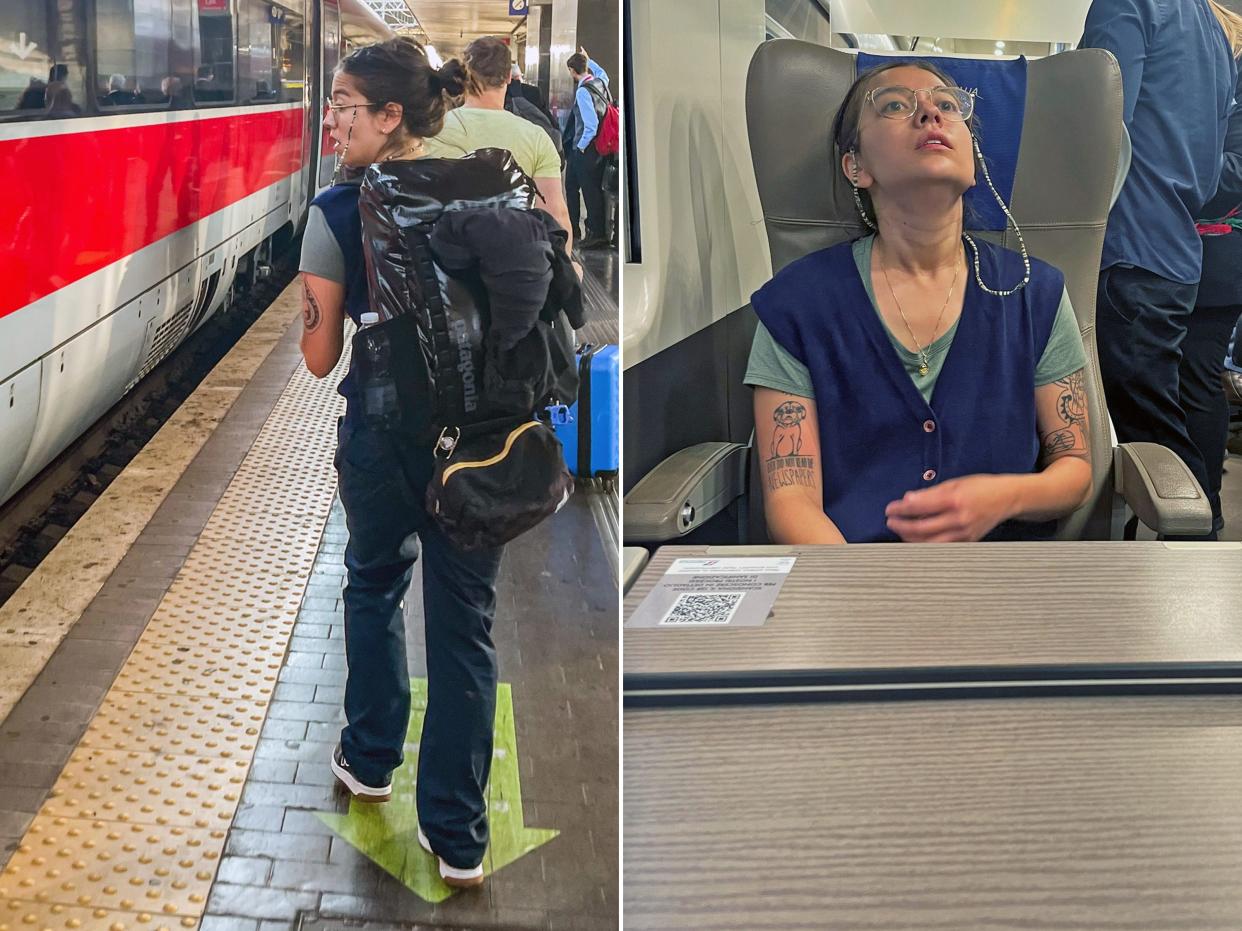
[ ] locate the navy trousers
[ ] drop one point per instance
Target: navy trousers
(1203, 395)
(382, 478)
(584, 175)
(1141, 321)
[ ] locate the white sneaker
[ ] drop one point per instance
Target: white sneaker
(357, 788)
(453, 876)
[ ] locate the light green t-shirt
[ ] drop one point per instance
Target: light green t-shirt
(772, 366)
(469, 128)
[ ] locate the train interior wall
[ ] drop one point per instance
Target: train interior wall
(662, 418)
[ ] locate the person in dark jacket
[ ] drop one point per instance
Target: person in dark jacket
(518, 88)
(34, 97)
(887, 407)
(1217, 309)
(1178, 75)
(386, 99)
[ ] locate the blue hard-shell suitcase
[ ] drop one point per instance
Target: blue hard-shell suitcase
(592, 439)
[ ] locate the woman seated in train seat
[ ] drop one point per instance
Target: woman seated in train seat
(917, 384)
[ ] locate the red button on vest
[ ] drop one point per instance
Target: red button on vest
(929, 426)
(929, 475)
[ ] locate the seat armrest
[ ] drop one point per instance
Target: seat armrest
(1161, 489)
(633, 559)
(685, 491)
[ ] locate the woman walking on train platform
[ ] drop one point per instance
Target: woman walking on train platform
(916, 384)
(385, 100)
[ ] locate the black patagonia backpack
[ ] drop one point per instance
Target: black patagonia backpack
(478, 302)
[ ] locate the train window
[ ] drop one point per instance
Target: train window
(271, 50)
(213, 53)
(139, 46)
(797, 19)
(290, 57)
(330, 26)
(42, 70)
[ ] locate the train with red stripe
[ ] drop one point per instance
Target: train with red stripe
(153, 156)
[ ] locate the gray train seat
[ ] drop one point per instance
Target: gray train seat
(1065, 179)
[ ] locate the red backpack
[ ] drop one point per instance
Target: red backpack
(608, 135)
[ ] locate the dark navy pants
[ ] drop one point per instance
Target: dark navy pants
(1203, 395)
(382, 478)
(1141, 321)
(584, 175)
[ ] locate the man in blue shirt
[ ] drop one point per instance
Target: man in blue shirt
(1177, 73)
(584, 171)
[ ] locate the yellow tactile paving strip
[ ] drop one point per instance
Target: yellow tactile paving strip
(35, 620)
(132, 832)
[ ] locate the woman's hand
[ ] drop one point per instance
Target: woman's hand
(961, 510)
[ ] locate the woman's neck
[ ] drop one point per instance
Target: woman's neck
(405, 147)
(492, 98)
(920, 238)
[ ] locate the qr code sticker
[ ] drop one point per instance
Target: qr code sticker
(703, 608)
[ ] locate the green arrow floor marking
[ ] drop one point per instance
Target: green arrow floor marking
(386, 833)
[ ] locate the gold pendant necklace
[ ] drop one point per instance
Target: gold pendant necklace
(924, 368)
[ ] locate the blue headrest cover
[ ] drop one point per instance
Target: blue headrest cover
(1000, 102)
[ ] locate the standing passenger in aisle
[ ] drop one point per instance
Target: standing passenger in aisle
(1178, 75)
(1217, 309)
(584, 172)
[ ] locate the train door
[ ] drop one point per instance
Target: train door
(311, 93)
(330, 54)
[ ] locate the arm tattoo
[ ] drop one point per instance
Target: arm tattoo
(1069, 437)
(784, 466)
(1060, 441)
(784, 471)
(311, 315)
(787, 437)
(1072, 404)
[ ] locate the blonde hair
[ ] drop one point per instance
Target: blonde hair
(1231, 22)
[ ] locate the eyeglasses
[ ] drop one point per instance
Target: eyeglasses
(900, 103)
(338, 107)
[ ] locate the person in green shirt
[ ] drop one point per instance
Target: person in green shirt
(483, 122)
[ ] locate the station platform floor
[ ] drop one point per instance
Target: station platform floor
(172, 678)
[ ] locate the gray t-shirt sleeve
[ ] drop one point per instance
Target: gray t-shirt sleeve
(321, 254)
(772, 366)
(1064, 353)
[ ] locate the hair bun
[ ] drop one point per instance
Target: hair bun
(451, 78)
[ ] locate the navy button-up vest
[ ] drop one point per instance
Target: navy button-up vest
(878, 437)
(340, 209)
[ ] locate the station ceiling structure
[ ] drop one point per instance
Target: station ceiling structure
(449, 25)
